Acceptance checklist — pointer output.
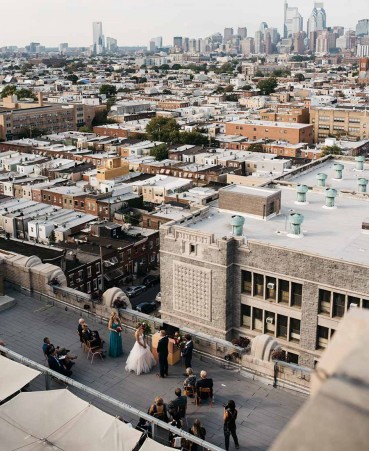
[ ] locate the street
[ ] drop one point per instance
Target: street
(148, 295)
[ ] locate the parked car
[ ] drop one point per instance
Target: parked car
(146, 307)
(150, 281)
(158, 297)
(134, 290)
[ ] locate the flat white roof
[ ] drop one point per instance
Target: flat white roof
(334, 233)
(349, 179)
(251, 191)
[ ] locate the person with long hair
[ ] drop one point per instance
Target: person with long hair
(229, 427)
(198, 431)
(140, 359)
(115, 338)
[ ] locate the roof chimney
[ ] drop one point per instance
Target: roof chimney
(321, 177)
(237, 223)
(338, 167)
(330, 195)
(295, 221)
(362, 184)
(301, 194)
(360, 160)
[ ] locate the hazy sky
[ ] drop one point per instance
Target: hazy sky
(135, 22)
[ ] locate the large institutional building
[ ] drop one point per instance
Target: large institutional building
(287, 260)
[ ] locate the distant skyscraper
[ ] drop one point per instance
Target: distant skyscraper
(268, 44)
(228, 33)
(318, 19)
(63, 47)
(298, 43)
(98, 38)
(293, 21)
(263, 26)
(362, 28)
(111, 45)
(259, 42)
(186, 44)
(178, 42)
(248, 46)
(242, 32)
(156, 43)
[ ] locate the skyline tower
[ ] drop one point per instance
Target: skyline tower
(98, 38)
(318, 19)
(293, 21)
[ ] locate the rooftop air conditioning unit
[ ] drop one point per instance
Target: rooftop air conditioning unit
(270, 286)
(270, 320)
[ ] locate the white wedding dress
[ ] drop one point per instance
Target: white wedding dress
(140, 359)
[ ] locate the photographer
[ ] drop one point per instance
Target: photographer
(229, 418)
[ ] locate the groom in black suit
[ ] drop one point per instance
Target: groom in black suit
(163, 353)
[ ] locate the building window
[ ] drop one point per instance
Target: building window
(80, 273)
(95, 284)
(246, 283)
(89, 271)
(246, 316)
(296, 294)
(269, 323)
(257, 319)
(365, 303)
(98, 267)
(192, 249)
(271, 291)
(352, 302)
(295, 330)
(282, 322)
(323, 333)
(284, 291)
(258, 285)
(339, 301)
(88, 287)
(293, 358)
(324, 302)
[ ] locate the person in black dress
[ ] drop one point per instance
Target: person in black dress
(229, 418)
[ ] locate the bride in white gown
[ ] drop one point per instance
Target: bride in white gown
(140, 359)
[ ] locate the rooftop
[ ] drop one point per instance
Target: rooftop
(270, 123)
(349, 179)
(263, 411)
(329, 232)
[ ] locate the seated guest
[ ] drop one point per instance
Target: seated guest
(190, 380)
(204, 382)
(159, 410)
(48, 348)
(92, 337)
(177, 407)
(56, 365)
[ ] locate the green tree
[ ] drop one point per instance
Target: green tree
(176, 67)
(255, 147)
(247, 88)
(228, 88)
(9, 90)
(73, 78)
(195, 138)
(162, 129)
(267, 86)
(231, 98)
(108, 90)
(332, 150)
(52, 237)
(160, 152)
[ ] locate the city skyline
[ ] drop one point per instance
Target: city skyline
(179, 20)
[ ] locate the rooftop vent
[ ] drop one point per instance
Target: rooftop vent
(295, 221)
(237, 223)
(301, 194)
(362, 185)
(338, 167)
(330, 195)
(321, 178)
(360, 160)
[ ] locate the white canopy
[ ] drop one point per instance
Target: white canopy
(14, 376)
(151, 445)
(38, 420)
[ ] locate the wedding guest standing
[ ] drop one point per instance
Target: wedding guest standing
(229, 418)
(115, 338)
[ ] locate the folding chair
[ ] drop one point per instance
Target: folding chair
(94, 351)
(202, 391)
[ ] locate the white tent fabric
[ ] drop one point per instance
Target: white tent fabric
(14, 376)
(151, 445)
(38, 420)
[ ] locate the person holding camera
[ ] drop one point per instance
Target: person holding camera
(229, 418)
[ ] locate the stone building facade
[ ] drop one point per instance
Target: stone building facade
(231, 286)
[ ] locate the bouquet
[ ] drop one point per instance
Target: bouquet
(119, 329)
(179, 341)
